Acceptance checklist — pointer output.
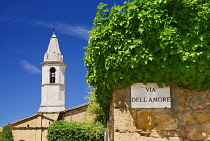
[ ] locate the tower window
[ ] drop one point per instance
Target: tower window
(52, 75)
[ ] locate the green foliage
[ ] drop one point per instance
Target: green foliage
(75, 131)
(94, 109)
(6, 134)
(149, 41)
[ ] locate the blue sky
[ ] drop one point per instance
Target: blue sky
(25, 31)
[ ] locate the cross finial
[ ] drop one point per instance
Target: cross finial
(54, 29)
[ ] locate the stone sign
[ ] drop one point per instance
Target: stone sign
(150, 96)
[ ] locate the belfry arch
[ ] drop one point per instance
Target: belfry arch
(52, 75)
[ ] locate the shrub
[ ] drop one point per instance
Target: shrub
(6, 134)
(75, 131)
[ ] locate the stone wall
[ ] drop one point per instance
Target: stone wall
(187, 119)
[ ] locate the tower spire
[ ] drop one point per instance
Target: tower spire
(53, 53)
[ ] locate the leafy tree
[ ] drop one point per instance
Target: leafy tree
(149, 41)
(6, 134)
(94, 109)
(75, 131)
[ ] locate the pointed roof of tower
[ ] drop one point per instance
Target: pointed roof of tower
(53, 53)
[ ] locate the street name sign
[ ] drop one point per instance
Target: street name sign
(150, 96)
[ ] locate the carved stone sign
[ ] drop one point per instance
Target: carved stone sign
(150, 96)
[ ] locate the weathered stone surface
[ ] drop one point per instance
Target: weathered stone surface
(165, 122)
(198, 100)
(206, 130)
(145, 120)
(121, 97)
(203, 116)
(186, 116)
(180, 98)
(123, 120)
(137, 137)
(156, 133)
(195, 132)
(126, 136)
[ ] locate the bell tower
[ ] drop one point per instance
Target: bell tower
(53, 79)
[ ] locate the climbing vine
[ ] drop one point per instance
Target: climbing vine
(149, 41)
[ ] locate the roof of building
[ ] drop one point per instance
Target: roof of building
(29, 118)
(39, 114)
(76, 107)
(70, 109)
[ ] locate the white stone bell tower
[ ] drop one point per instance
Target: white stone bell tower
(53, 79)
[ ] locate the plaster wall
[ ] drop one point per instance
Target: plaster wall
(53, 116)
(28, 135)
(30, 123)
(31, 129)
(53, 93)
(77, 115)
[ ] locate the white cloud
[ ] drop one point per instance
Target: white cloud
(68, 29)
(80, 31)
(29, 67)
(72, 30)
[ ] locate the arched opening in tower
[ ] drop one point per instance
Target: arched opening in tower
(52, 75)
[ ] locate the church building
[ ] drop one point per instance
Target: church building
(53, 104)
